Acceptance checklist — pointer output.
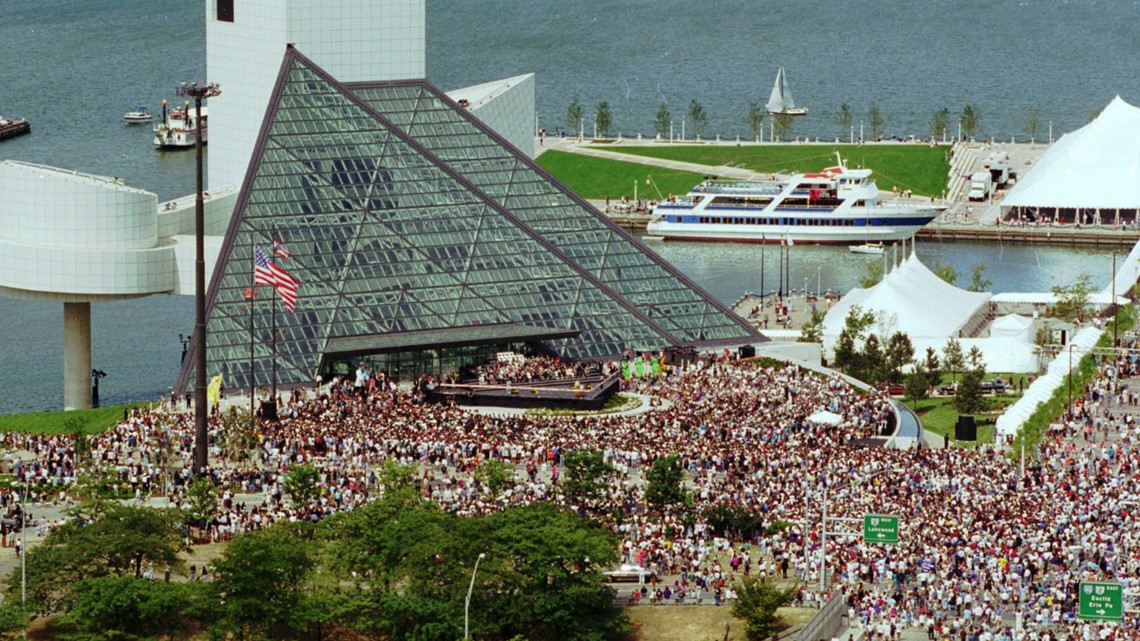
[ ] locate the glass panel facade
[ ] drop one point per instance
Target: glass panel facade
(423, 222)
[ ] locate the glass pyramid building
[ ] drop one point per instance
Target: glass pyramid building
(409, 223)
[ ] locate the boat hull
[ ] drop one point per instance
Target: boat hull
(176, 138)
(774, 234)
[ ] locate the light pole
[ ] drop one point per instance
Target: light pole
(467, 601)
(23, 552)
(198, 92)
(1112, 303)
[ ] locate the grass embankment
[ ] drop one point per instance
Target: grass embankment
(924, 170)
(598, 178)
(93, 420)
(938, 414)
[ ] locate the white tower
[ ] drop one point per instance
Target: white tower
(354, 40)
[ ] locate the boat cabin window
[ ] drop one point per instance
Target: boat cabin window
(225, 10)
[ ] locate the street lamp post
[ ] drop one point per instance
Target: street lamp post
(823, 527)
(23, 552)
(1115, 311)
(199, 92)
(467, 601)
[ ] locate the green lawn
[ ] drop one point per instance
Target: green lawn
(597, 178)
(924, 170)
(96, 420)
(939, 416)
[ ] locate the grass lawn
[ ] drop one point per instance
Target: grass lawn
(697, 623)
(924, 170)
(939, 416)
(597, 178)
(95, 420)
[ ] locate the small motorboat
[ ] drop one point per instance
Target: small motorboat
(139, 115)
(867, 248)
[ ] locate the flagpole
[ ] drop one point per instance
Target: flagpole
(780, 262)
(274, 335)
(252, 360)
(763, 283)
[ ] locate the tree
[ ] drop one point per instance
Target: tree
(917, 384)
(1032, 123)
(871, 364)
(899, 354)
(301, 484)
(239, 433)
(875, 119)
(872, 275)
(975, 360)
(1072, 304)
(603, 119)
(495, 475)
(587, 476)
(665, 483)
(202, 498)
(968, 397)
(843, 119)
(845, 353)
(121, 541)
(953, 360)
(978, 280)
(411, 564)
(784, 124)
(757, 601)
(574, 115)
(663, 123)
(259, 581)
(933, 367)
(755, 120)
(812, 330)
(128, 607)
(699, 117)
(940, 123)
(945, 271)
(970, 118)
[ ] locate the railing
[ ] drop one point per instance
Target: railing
(827, 623)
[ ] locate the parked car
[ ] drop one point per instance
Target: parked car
(894, 389)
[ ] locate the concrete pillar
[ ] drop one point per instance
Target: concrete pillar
(76, 356)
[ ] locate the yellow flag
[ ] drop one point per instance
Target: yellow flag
(214, 390)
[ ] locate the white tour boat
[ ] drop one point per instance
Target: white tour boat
(177, 129)
(139, 115)
(780, 103)
(836, 206)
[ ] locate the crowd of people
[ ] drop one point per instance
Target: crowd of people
(516, 369)
(987, 550)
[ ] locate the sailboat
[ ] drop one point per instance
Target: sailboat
(780, 102)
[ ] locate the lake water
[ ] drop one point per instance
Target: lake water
(73, 69)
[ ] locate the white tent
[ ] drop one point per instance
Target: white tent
(1094, 167)
(826, 418)
(1013, 326)
(921, 304)
(1043, 387)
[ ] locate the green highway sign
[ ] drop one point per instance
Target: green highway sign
(880, 528)
(1101, 601)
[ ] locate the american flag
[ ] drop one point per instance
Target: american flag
(266, 272)
(279, 249)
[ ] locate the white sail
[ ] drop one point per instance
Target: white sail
(781, 102)
(786, 92)
(776, 100)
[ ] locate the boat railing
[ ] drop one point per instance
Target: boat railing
(742, 189)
